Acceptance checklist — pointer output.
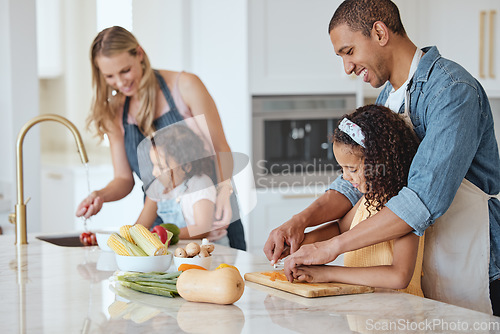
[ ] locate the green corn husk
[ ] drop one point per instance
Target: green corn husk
(133, 249)
(147, 241)
(122, 246)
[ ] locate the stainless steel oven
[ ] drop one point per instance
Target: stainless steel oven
(291, 145)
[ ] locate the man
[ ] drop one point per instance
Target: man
(450, 113)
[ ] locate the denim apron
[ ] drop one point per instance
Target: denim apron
(133, 136)
(170, 211)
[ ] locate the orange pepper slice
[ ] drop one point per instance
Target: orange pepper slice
(186, 266)
(274, 275)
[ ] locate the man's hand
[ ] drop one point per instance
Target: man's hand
(310, 254)
(284, 240)
(288, 237)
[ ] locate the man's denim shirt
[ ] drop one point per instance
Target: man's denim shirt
(451, 115)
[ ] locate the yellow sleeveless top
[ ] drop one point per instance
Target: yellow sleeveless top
(381, 253)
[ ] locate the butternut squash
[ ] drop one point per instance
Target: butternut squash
(221, 286)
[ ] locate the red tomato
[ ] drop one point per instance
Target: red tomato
(88, 239)
(162, 233)
(93, 240)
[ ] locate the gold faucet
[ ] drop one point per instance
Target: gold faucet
(19, 217)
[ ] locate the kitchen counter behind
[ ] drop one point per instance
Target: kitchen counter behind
(52, 289)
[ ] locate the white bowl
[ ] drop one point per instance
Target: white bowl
(102, 240)
(204, 262)
(144, 264)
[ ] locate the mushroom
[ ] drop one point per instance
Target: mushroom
(192, 249)
(180, 252)
(204, 252)
(209, 248)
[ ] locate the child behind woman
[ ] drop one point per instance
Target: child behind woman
(375, 147)
(183, 188)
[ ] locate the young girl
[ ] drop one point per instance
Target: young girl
(375, 148)
(182, 187)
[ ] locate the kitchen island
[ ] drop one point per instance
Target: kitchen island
(52, 289)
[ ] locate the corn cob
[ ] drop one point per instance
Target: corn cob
(147, 241)
(122, 246)
(124, 232)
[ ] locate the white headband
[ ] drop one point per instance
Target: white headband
(353, 130)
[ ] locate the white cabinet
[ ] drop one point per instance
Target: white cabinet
(468, 33)
(65, 186)
(290, 49)
(49, 51)
(291, 52)
(273, 209)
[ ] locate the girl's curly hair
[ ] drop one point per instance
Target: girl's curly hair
(390, 145)
(186, 148)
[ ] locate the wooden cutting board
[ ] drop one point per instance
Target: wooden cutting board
(308, 289)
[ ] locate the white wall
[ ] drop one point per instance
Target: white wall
(219, 56)
(19, 100)
(191, 35)
(70, 93)
(208, 38)
(220, 59)
(162, 28)
(158, 25)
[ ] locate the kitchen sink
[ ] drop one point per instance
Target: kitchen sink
(65, 240)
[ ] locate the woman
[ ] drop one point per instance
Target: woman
(131, 101)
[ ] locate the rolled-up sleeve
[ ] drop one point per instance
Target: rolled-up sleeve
(410, 208)
(345, 188)
(444, 156)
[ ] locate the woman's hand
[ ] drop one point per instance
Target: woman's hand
(90, 206)
(223, 211)
(88, 239)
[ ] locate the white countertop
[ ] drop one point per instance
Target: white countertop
(51, 289)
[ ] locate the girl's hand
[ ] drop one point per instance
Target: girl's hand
(89, 206)
(311, 254)
(311, 274)
(223, 211)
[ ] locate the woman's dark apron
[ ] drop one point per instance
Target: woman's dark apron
(133, 137)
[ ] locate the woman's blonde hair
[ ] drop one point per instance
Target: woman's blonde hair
(110, 42)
